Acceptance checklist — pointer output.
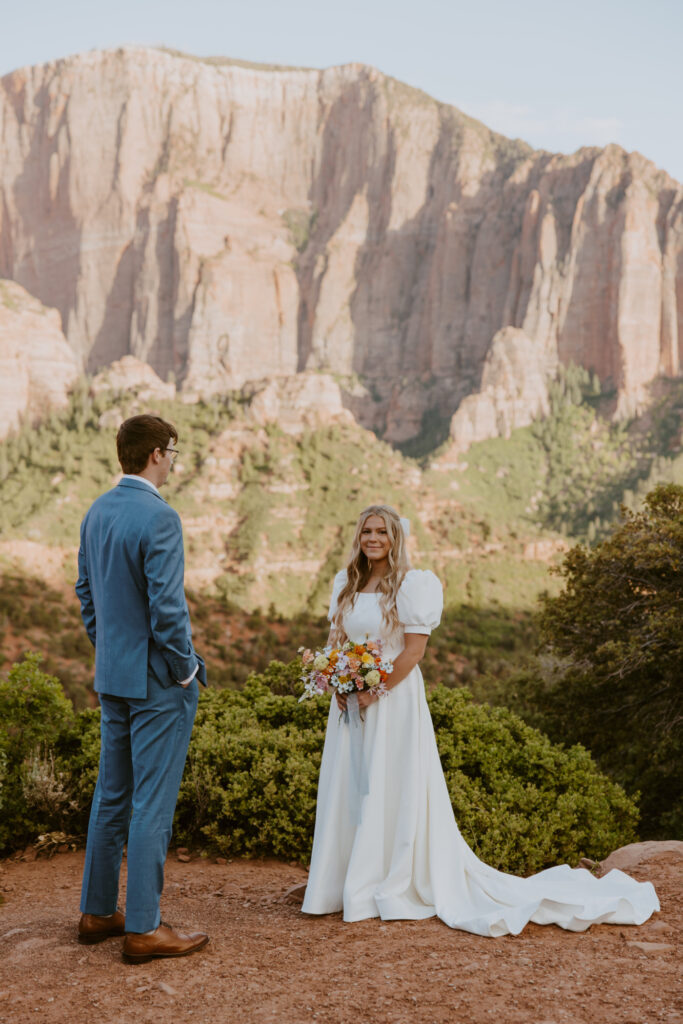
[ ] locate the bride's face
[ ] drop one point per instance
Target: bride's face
(374, 539)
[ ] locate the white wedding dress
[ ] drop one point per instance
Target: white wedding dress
(403, 856)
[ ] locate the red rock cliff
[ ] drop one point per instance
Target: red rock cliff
(225, 223)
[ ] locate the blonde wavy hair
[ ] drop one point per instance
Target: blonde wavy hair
(359, 569)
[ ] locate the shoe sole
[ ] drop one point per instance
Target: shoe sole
(144, 958)
(92, 940)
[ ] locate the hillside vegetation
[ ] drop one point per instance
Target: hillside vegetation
(268, 515)
(268, 518)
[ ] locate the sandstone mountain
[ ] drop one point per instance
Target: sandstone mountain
(225, 223)
(37, 365)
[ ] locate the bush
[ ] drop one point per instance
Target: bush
(35, 792)
(252, 773)
(521, 802)
(250, 783)
(615, 637)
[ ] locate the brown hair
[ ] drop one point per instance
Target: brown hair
(137, 439)
(359, 568)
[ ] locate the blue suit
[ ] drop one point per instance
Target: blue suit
(130, 585)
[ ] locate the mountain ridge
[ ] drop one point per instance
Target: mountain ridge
(218, 221)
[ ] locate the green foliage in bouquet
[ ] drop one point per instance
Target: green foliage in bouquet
(250, 782)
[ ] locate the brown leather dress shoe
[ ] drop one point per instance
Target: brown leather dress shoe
(164, 941)
(92, 928)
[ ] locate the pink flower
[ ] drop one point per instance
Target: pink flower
(307, 656)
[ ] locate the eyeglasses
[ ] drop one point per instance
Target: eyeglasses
(175, 452)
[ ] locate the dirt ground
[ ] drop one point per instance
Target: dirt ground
(267, 962)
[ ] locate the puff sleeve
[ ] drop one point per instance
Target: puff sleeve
(339, 581)
(419, 602)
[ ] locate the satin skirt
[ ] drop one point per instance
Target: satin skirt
(396, 852)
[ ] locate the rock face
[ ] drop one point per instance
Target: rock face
(513, 391)
(294, 403)
(37, 365)
(131, 374)
(224, 223)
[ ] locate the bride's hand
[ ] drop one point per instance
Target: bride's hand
(365, 698)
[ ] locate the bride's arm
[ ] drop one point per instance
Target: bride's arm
(411, 655)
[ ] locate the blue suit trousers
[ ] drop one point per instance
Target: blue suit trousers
(144, 747)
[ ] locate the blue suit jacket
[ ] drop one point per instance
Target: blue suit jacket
(130, 585)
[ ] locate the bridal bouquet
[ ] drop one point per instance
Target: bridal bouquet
(348, 669)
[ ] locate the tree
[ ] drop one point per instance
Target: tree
(615, 637)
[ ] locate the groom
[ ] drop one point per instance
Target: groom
(130, 585)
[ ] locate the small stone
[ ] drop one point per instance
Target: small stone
(652, 947)
(295, 893)
(181, 849)
(659, 927)
(142, 988)
(221, 860)
(184, 857)
(166, 988)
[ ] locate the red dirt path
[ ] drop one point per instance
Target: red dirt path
(269, 963)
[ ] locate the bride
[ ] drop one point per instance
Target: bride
(392, 849)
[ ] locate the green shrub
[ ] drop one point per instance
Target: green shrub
(35, 795)
(615, 640)
(250, 783)
(252, 773)
(521, 802)
(35, 710)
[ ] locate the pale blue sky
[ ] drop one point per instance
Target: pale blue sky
(559, 75)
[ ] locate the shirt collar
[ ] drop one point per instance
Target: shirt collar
(142, 479)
